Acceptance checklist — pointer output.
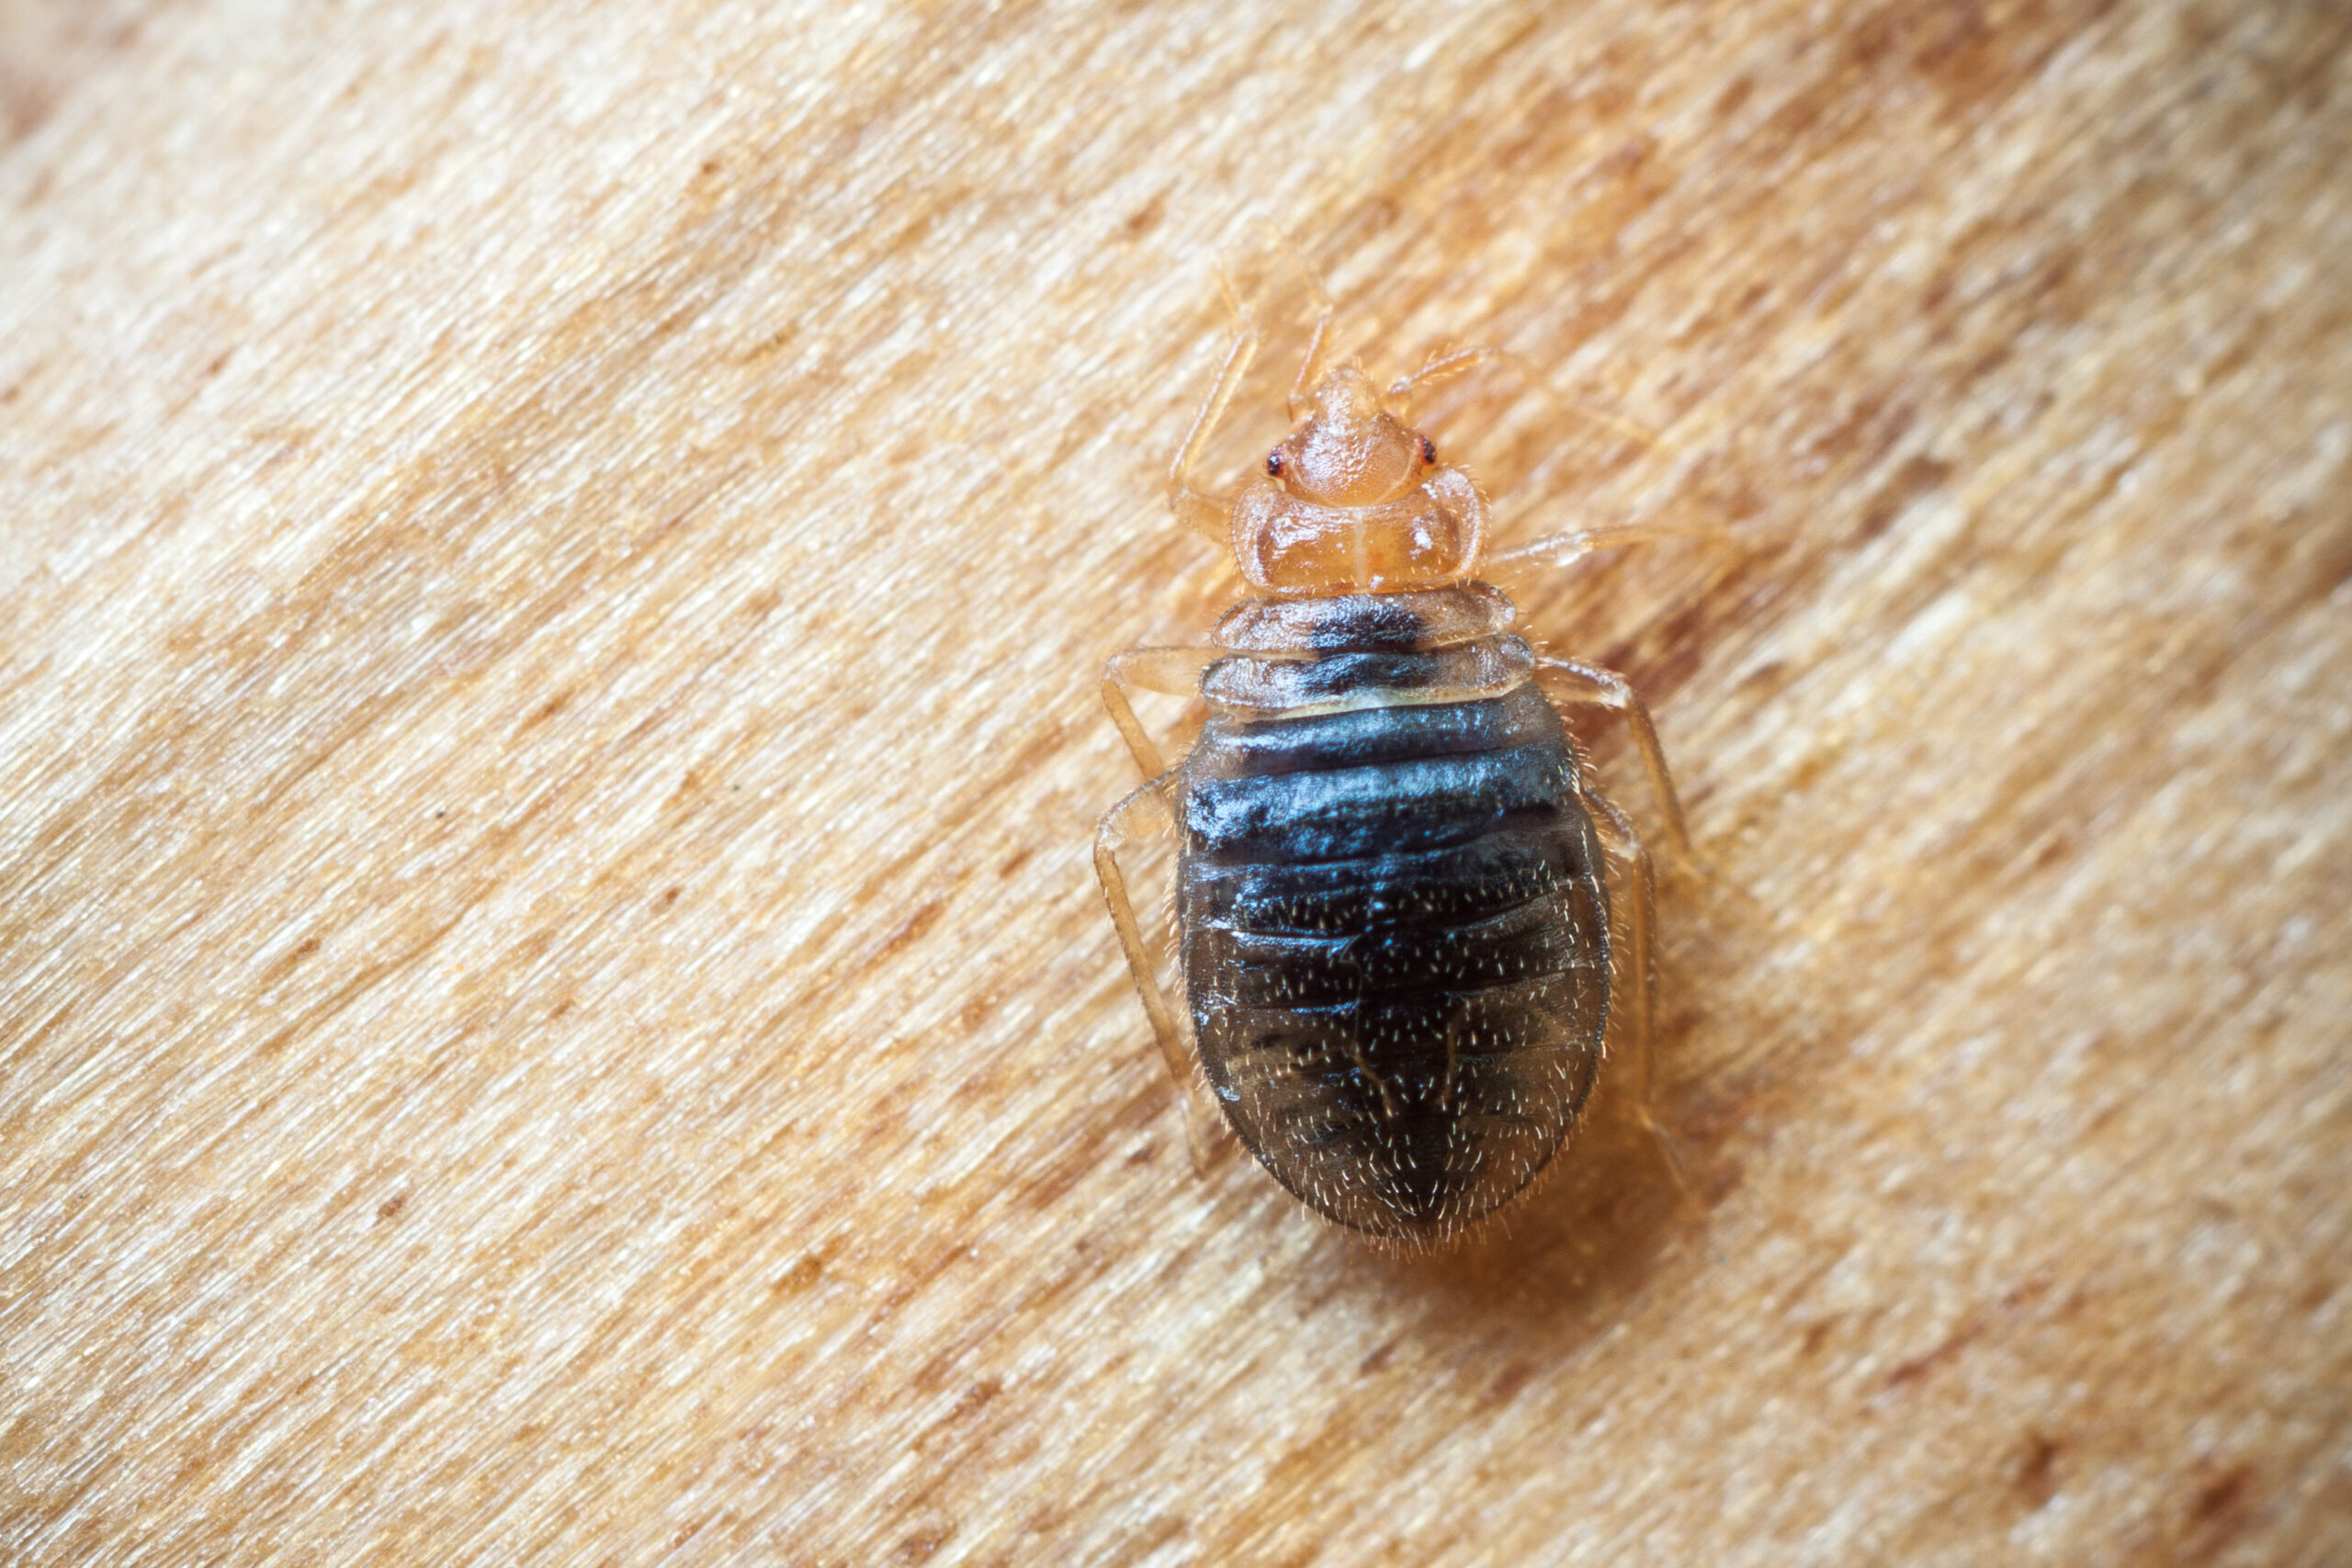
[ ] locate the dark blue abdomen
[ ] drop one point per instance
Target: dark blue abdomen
(1396, 947)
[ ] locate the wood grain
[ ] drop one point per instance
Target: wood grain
(552, 1004)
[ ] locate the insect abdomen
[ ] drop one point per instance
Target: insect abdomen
(1395, 937)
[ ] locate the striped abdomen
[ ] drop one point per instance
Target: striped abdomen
(1395, 930)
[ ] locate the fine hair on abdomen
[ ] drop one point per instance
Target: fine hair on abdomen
(1395, 925)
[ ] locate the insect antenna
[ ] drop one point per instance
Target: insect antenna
(1442, 368)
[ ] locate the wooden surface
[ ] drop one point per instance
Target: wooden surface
(552, 1004)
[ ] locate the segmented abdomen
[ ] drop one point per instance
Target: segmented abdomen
(1395, 943)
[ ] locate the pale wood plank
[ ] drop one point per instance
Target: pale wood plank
(553, 1007)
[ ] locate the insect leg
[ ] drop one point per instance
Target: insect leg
(1119, 829)
(1624, 846)
(1174, 671)
(1148, 811)
(1311, 369)
(1559, 549)
(1578, 682)
(1197, 509)
(1445, 366)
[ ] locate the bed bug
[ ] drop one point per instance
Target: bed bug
(1393, 919)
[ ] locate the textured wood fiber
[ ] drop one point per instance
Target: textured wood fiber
(552, 1005)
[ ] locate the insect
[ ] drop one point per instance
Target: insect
(1392, 913)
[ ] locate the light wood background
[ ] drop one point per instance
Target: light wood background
(553, 563)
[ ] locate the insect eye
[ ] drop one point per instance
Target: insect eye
(1275, 461)
(1429, 450)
